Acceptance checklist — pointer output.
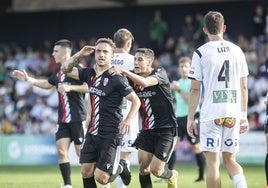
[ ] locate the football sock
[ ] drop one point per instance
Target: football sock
(145, 181)
(200, 160)
(266, 168)
(172, 160)
(239, 181)
(65, 169)
(89, 182)
(119, 182)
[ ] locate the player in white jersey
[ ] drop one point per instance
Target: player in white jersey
(123, 41)
(222, 69)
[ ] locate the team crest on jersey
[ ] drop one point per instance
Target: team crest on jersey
(105, 81)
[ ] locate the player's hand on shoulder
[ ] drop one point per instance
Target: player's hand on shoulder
(115, 71)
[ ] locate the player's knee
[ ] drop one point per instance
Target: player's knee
(156, 171)
(102, 179)
(62, 153)
(84, 174)
(144, 171)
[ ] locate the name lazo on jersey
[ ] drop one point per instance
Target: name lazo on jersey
(145, 94)
(224, 96)
(223, 49)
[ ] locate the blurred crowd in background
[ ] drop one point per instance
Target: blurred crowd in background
(25, 109)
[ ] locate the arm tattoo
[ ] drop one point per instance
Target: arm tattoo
(72, 63)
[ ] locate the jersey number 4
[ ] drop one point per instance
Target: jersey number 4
(224, 74)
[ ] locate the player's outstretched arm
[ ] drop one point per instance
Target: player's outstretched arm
(139, 80)
(23, 76)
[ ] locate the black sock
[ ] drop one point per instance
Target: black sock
(89, 182)
(65, 169)
(200, 160)
(145, 181)
(113, 176)
(266, 168)
(172, 160)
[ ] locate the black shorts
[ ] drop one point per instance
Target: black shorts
(74, 131)
(182, 129)
(103, 151)
(159, 142)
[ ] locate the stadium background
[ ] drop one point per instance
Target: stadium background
(34, 23)
(32, 26)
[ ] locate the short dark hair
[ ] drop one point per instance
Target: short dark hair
(121, 36)
(64, 43)
(106, 40)
(149, 53)
(214, 22)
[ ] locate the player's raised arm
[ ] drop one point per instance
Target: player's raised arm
(68, 65)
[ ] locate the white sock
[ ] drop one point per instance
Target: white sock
(128, 164)
(119, 183)
(239, 181)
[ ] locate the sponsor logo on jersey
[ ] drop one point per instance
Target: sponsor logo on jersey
(146, 94)
(224, 96)
(96, 91)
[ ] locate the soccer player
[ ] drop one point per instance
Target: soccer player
(222, 69)
(158, 136)
(71, 112)
(100, 152)
(182, 90)
(123, 41)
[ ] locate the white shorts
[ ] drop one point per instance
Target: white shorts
(216, 138)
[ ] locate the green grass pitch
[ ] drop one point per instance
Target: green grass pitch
(49, 177)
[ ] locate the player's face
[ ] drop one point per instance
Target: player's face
(184, 69)
(141, 63)
(59, 54)
(103, 54)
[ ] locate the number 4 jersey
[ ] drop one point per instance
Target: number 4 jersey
(219, 65)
